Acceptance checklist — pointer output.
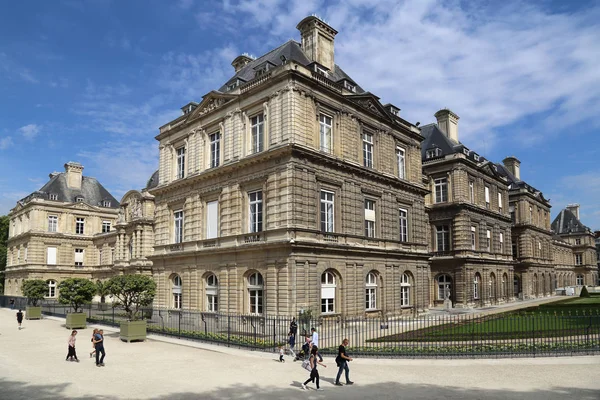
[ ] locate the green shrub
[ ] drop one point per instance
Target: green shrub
(35, 290)
(76, 292)
(132, 292)
(584, 292)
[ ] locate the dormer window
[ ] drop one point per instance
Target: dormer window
(263, 68)
(476, 157)
(105, 203)
(431, 153)
(320, 70)
(234, 84)
(53, 196)
(188, 108)
(466, 152)
(79, 199)
(349, 86)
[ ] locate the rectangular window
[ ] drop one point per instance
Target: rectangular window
(215, 149)
(369, 218)
(401, 159)
(441, 190)
(487, 197)
(473, 238)
(51, 256)
(488, 240)
(327, 212)
(472, 191)
(371, 298)
(327, 298)
(515, 250)
(513, 214)
(404, 296)
(403, 225)
(501, 243)
(255, 211)
(79, 226)
(442, 238)
(178, 225)
(53, 196)
(531, 214)
(212, 303)
(500, 201)
(181, 162)
(256, 301)
(78, 257)
(325, 132)
(105, 226)
(367, 150)
(257, 125)
(577, 241)
(105, 203)
(212, 219)
(52, 223)
(578, 259)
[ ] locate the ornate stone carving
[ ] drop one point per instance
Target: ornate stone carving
(211, 105)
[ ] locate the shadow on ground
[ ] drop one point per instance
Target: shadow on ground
(12, 390)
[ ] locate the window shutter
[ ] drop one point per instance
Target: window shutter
(212, 226)
(78, 256)
(52, 255)
(328, 292)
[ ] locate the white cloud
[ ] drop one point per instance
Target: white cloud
(583, 188)
(185, 4)
(30, 131)
(27, 76)
(5, 142)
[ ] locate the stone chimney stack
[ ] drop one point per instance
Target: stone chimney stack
(513, 165)
(574, 208)
(74, 172)
(317, 41)
(241, 61)
(447, 121)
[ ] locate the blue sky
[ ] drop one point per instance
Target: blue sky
(91, 81)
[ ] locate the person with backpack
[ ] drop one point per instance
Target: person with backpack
(342, 361)
(311, 365)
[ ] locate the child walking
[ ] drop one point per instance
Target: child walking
(72, 356)
(20, 318)
(281, 354)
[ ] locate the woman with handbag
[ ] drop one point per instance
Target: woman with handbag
(311, 365)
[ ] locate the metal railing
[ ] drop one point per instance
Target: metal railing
(524, 333)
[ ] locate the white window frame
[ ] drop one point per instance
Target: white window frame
(178, 226)
(405, 290)
(501, 238)
(328, 292)
(105, 203)
(401, 161)
(53, 197)
(488, 240)
(579, 280)
(256, 293)
(52, 223)
(51, 255)
(487, 196)
(106, 226)
(472, 191)
(367, 140)
(180, 162)
(79, 226)
(257, 133)
(500, 203)
(177, 290)
(255, 211)
(443, 284)
(371, 291)
(473, 238)
(441, 190)
(403, 224)
(212, 293)
(327, 207)
(442, 231)
(326, 133)
(370, 218)
(578, 259)
(79, 257)
(215, 149)
(476, 282)
(52, 289)
(212, 220)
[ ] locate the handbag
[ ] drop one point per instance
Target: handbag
(306, 365)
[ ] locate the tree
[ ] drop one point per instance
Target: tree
(35, 290)
(102, 290)
(132, 292)
(3, 242)
(76, 292)
(584, 292)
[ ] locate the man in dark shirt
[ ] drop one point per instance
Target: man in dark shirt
(293, 327)
(20, 318)
(99, 344)
(342, 360)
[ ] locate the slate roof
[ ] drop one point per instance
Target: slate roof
(566, 222)
(514, 183)
(435, 138)
(92, 191)
(291, 50)
(153, 181)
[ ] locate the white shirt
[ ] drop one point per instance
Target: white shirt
(315, 339)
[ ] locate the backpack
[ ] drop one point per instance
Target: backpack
(306, 365)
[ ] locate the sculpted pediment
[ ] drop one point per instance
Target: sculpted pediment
(211, 102)
(371, 103)
(81, 205)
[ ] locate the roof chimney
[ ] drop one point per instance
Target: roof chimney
(574, 208)
(513, 165)
(241, 61)
(447, 122)
(74, 172)
(317, 40)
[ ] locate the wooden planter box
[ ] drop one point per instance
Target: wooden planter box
(33, 312)
(133, 330)
(76, 321)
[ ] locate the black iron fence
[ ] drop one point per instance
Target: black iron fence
(528, 333)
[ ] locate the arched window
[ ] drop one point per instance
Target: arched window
(212, 296)
(51, 289)
(371, 291)
(579, 281)
(328, 287)
(492, 293)
(476, 288)
(444, 283)
(177, 291)
(405, 290)
(255, 293)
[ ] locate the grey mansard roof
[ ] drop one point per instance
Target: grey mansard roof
(567, 222)
(153, 181)
(292, 51)
(435, 138)
(92, 191)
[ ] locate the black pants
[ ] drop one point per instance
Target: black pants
(100, 349)
(314, 377)
(72, 353)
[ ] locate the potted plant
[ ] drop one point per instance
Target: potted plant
(76, 292)
(132, 292)
(102, 291)
(35, 290)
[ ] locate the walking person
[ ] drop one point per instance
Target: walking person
(99, 342)
(292, 343)
(72, 356)
(293, 327)
(342, 361)
(12, 304)
(20, 318)
(281, 352)
(314, 373)
(93, 344)
(314, 341)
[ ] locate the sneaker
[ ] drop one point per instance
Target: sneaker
(102, 364)
(98, 365)
(303, 386)
(349, 383)
(320, 389)
(338, 384)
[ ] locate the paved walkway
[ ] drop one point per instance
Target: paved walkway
(32, 366)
